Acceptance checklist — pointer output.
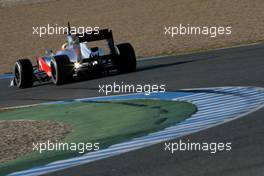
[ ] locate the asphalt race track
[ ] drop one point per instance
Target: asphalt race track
(243, 66)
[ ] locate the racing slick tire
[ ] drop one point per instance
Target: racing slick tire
(61, 70)
(126, 61)
(23, 71)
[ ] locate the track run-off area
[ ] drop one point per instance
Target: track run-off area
(215, 106)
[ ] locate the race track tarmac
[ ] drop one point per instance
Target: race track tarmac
(243, 66)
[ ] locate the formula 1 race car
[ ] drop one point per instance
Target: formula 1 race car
(76, 59)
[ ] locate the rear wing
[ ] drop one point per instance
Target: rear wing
(103, 34)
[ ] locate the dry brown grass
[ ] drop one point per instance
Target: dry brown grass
(140, 22)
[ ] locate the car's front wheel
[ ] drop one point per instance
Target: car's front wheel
(61, 70)
(23, 73)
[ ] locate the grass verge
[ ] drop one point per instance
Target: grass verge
(107, 122)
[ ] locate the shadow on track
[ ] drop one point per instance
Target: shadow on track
(114, 73)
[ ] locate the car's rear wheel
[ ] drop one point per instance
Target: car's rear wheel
(61, 70)
(23, 72)
(126, 61)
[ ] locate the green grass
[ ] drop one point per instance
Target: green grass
(108, 123)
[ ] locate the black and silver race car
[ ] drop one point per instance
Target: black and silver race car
(76, 59)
